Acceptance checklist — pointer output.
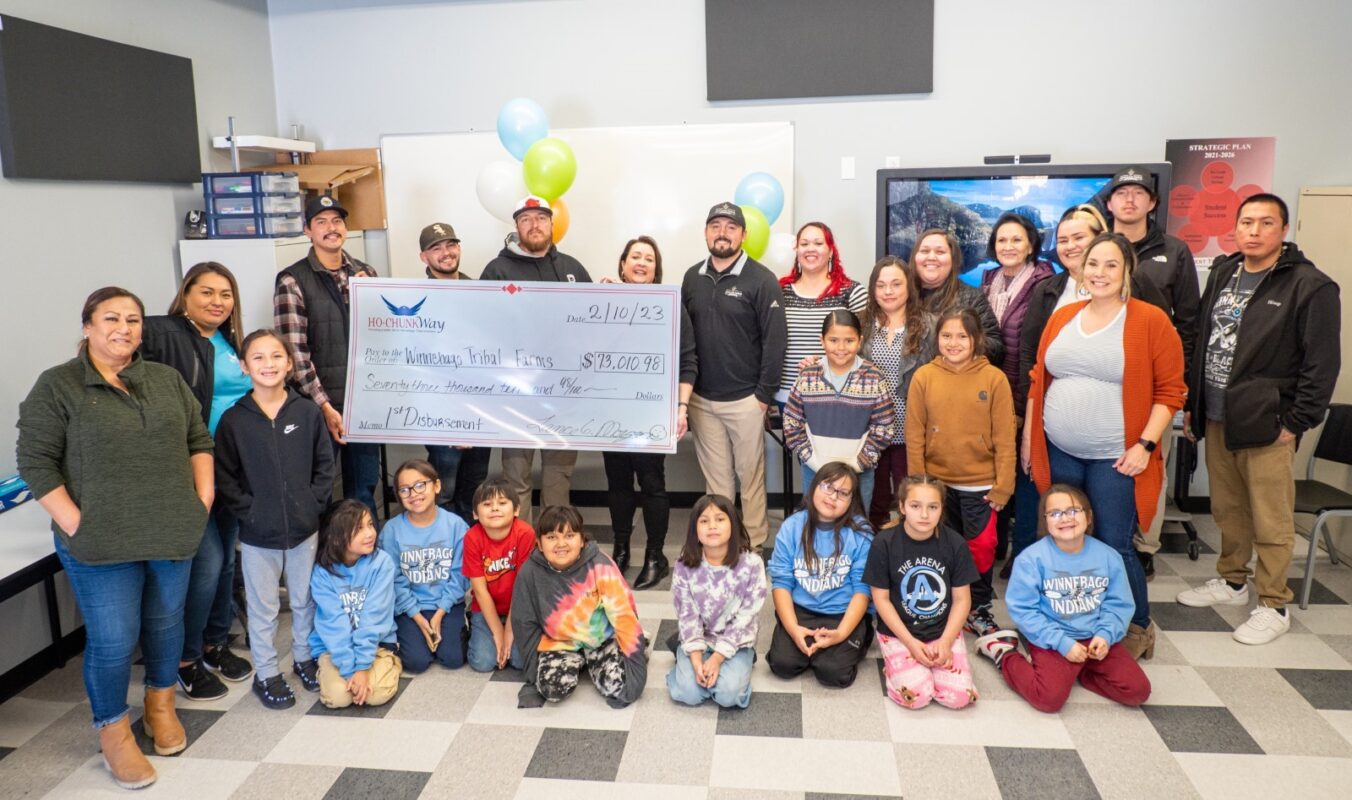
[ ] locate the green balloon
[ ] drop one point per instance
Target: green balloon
(549, 168)
(757, 232)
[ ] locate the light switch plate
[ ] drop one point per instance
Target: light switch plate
(847, 168)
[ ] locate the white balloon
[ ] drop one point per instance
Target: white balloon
(501, 186)
(779, 253)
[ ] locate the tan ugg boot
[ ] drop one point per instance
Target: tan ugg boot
(161, 723)
(129, 766)
(1140, 642)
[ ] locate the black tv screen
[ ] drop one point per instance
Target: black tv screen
(76, 107)
(968, 200)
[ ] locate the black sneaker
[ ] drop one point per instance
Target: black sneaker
(980, 622)
(198, 684)
(274, 692)
(230, 666)
(1147, 564)
(308, 672)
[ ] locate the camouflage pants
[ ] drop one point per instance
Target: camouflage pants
(559, 672)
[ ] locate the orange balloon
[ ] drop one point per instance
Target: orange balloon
(561, 219)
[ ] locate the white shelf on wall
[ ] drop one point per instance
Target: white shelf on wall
(264, 144)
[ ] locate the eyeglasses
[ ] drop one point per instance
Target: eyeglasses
(834, 492)
(1068, 513)
(417, 488)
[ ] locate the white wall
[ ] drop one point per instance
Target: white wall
(1026, 77)
(63, 239)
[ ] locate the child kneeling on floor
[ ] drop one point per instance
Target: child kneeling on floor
(718, 587)
(1069, 597)
(426, 542)
(353, 592)
(921, 572)
(817, 582)
(572, 609)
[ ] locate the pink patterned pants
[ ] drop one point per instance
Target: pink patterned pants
(910, 684)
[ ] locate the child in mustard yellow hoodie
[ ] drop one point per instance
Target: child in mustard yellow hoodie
(960, 428)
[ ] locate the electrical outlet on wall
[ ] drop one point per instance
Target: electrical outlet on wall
(892, 162)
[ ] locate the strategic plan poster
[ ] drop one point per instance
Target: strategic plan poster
(1211, 177)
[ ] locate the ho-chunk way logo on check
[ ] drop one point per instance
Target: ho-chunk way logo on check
(404, 317)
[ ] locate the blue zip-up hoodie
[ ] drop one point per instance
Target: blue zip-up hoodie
(354, 611)
(837, 578)
(429, 576)
(1056, 599)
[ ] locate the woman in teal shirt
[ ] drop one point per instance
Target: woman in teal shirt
(200, 338)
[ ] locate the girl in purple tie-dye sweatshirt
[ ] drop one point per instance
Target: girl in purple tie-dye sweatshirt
(718, 587)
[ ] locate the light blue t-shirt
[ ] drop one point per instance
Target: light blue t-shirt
(229, 383)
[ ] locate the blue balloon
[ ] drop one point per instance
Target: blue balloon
(762, 190)
(521, 123)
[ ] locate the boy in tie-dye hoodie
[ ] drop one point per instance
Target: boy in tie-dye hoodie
(572, 609)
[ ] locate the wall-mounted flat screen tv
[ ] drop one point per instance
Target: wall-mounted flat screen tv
(76, 107)
(968, 201)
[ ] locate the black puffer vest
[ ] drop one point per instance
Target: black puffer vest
(328, 320)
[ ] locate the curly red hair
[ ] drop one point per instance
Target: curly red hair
(836, 270)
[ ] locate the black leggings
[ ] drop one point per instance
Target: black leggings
(835, 666)
(652, 492)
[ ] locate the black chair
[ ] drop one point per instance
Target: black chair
(1319, 499)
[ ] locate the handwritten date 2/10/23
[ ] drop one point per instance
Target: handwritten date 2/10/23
(637, 313)
(634, 363)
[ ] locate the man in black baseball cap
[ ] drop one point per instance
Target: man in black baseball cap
(1166, 262)
(439, 249)
(461, 469)
(310, 308)
(740, 338)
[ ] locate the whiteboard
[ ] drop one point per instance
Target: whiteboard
(658, 180)
(499, 364)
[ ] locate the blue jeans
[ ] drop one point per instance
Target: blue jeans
(1113, 496)
(413, 649)
(733, 687)
(207, 612)
(361, 471)
(483, 653)
(865, 484)
(1026, 499)
(121, 604)
(461, 472)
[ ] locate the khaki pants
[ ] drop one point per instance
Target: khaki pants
(384, 681)
(730, 445)
(556, 477)
(1253, 494)
(1149, 541)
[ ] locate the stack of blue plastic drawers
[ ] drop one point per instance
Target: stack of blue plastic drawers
(252, 205)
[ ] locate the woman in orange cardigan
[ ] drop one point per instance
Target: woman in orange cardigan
(1108, 381)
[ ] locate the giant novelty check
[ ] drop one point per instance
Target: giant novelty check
(501, 364)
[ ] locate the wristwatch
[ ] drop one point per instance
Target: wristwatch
(1147, 444)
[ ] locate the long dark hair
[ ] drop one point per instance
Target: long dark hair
(874, 317)
(234, 323)
(657, 255)
(853, 517)
(97, 298)
(692, 554)
(946, 296)
(971, 323)
(835, 270)
(341, 522)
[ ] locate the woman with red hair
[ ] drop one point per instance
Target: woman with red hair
(815, 286)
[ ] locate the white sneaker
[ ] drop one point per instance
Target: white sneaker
(1263, 625)
(1215, 592)
(995, 645)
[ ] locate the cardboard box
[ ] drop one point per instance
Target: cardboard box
(352, 176)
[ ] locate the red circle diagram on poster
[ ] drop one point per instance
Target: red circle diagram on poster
(1211, 177)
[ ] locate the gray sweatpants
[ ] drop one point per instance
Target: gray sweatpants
(263, 570)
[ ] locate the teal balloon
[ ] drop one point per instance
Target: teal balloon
(762, 190)
(549, 168)
(521, 123)
(757, 232)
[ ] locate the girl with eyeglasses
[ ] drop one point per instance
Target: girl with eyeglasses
(1070, 598)
(427, 543)
(817, 582)
(274, 471)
